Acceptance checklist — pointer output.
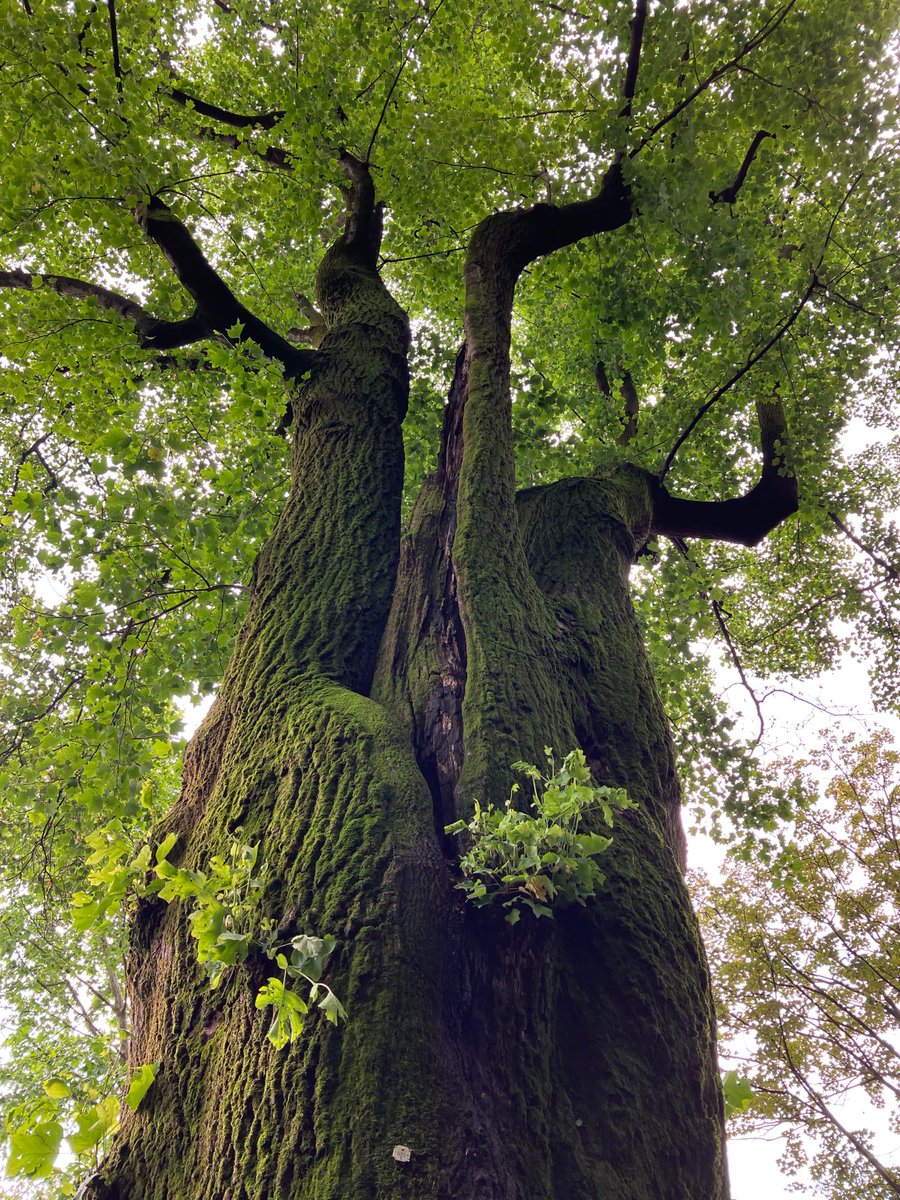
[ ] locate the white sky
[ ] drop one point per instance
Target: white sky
(796, 723)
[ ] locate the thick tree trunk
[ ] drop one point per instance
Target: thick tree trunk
(364, 707)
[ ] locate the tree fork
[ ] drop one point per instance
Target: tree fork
(572, 1058)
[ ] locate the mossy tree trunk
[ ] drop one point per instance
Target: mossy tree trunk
(375, 691)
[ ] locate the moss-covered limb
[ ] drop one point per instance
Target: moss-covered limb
(345, 825)
(506, 621)
(581, 537)
(421, 671)
(323, 583)
(743, 519)
(648, 1015)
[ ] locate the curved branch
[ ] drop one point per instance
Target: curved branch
(745, 519)
(728, 195)
(266, 120)
(152, 332)
(216, 303)
(508, 241)
(273, 156)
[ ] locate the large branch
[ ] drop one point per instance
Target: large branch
(364, 220)
(273, 156)
(636, 27)
(152, 332)
(265, 120)
(745, 519)
(508, 241)
(216, 303)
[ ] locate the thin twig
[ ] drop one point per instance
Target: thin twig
(114, 38)
(737, 376)
(892, 571)
(757, 40)
(735, 658)
(431, 16)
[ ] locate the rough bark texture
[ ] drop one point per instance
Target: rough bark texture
(364, 707)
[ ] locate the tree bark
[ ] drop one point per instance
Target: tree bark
(367, 703)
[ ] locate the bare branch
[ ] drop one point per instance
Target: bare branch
(859, 1146)
(35, 449)
(217, 305)
(114, 38)
(273, 155)
(153, 333)
(265, 120)
(728, 195)
(738, 375)
(892, 571)
(776, 337)
(719, 615)
(746, 519)
(431, 14)
(636, 26)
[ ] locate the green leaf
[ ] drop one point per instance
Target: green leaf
(738, 1093)
(141, 1079)
(332, 1008)
(33, 1152)
(165, 847)
(56, 1088)
(94, 1125)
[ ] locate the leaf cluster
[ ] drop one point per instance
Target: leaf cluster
(535, 860)
(804, 957)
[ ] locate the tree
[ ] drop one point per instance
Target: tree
(663, 240)
(807, 973)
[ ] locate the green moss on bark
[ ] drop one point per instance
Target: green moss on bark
(563, 1060)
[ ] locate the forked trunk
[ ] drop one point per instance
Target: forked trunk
(365, 706)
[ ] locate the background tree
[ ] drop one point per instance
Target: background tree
(665, 242)
(803, 951)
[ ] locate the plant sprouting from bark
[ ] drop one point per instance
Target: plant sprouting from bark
(532, 861)
(224, 921)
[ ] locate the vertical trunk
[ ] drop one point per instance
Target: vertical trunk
(555, 1060)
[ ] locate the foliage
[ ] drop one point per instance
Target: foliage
(523, 861)
(225, 924)
(136, 488)
(804, 958)
(224, 920)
